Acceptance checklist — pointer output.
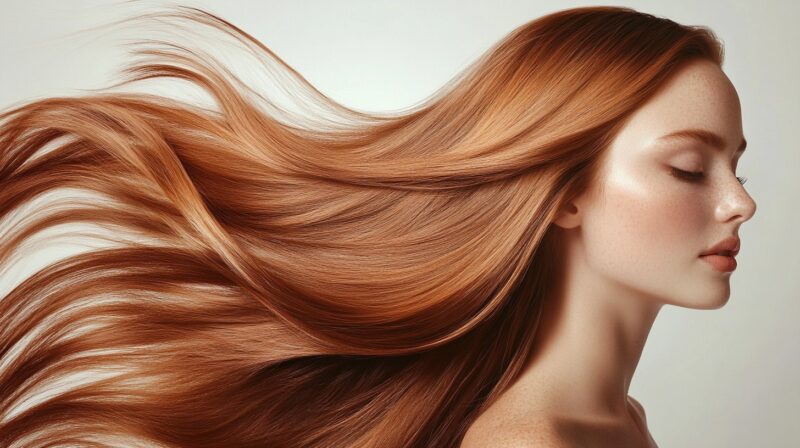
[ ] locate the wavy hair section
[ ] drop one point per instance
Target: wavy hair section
(274, 279)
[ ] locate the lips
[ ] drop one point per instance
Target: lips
(721, 263)
(728, 247)
(721, 255)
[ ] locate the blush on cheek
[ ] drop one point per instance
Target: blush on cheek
(684, 218)
(641, 231)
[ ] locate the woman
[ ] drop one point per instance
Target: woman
(637, 239)
(481, 270)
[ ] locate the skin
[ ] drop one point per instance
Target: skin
(631, 244)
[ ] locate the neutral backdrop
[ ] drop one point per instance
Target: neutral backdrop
(712, 378)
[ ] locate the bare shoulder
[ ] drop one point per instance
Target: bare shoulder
(513, 429)
(554, 431)
(537, 433)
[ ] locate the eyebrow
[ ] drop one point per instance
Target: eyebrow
(705, 136)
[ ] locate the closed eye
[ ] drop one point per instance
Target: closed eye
(687, 175)
(692, 176)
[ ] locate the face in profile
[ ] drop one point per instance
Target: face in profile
(663, 201)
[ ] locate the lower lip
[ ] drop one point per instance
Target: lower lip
(721, 263)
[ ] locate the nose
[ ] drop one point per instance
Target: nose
(736, 204)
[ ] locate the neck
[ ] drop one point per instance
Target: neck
(587, 347)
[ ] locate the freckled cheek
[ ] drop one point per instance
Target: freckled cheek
(653, 219)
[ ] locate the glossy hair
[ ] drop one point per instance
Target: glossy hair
(339, 279)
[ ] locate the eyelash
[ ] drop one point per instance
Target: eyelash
(696, 177)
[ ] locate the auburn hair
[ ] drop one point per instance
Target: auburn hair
(336, 278)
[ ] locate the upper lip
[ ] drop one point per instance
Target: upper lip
(729, 247)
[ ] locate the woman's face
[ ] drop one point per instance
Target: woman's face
(643, 227)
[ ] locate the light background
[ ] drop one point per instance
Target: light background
(710, 378)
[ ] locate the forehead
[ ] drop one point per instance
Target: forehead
(698, 96)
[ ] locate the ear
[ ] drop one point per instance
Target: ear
(569, 216)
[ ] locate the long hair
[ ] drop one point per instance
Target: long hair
(334, 279)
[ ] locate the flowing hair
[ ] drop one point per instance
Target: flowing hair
(330, 279)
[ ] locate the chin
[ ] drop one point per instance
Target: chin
(712, 300)
(715, 305)
(704, 295)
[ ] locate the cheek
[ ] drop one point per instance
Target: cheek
(645, 229)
